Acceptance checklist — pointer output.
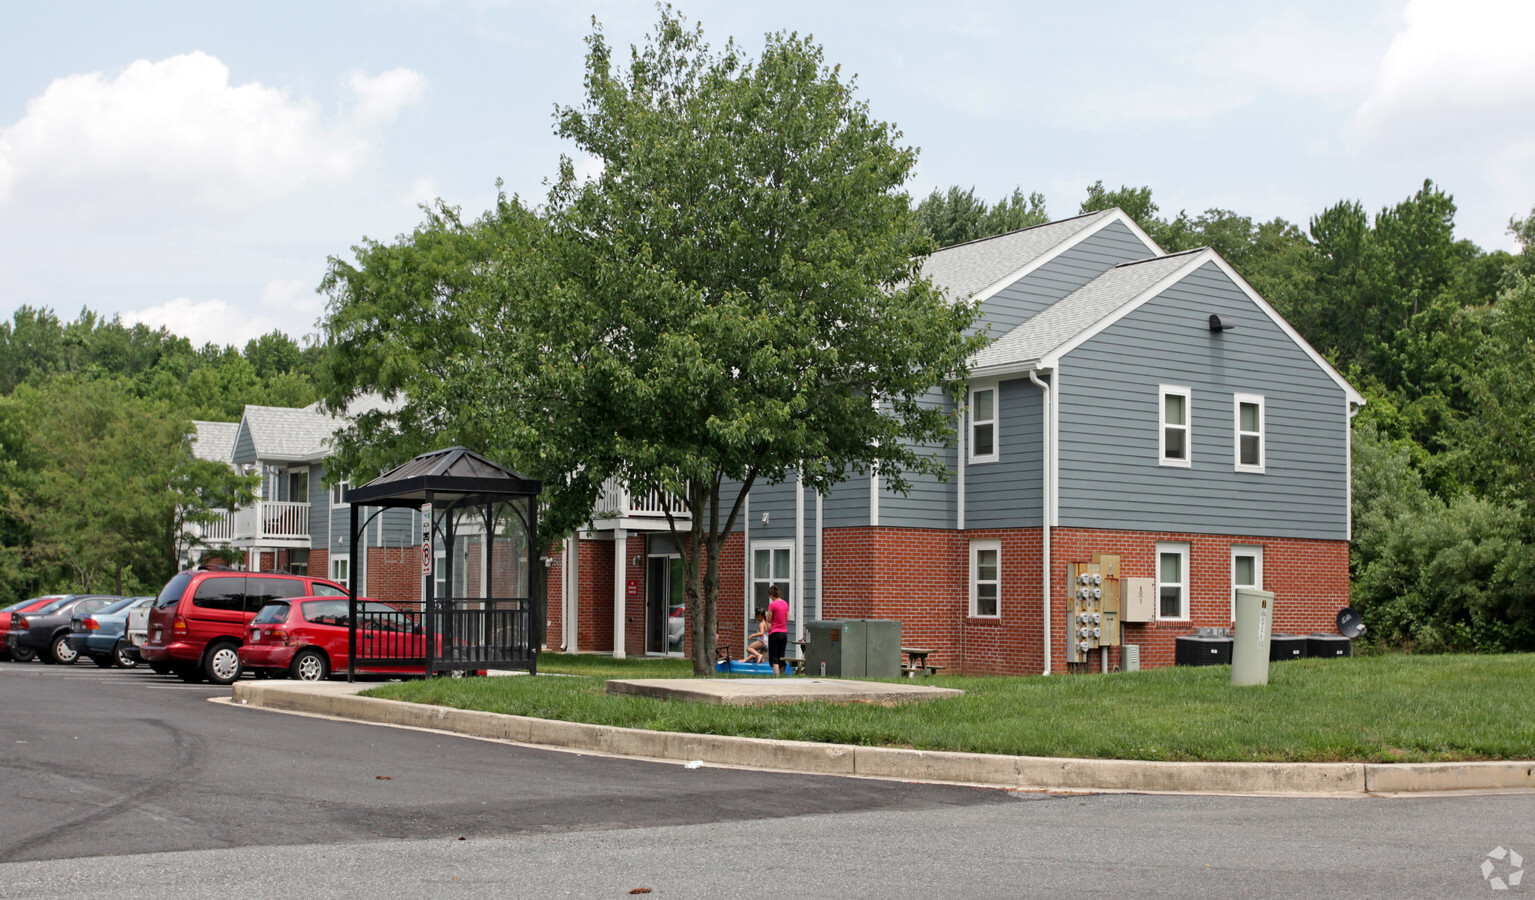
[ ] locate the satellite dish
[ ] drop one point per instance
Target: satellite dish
(1350, 625)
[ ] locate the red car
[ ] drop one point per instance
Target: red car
(202, 616)
(21, 654)
(306, 638)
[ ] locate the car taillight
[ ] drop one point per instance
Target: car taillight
(278, 635)
(90, 624)
(18, 622)
(179, 627)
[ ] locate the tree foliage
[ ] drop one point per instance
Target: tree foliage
(735, 298)
(956, 216)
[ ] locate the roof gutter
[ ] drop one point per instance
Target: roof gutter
(1047, 507)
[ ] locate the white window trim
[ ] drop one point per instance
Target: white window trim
(1257, 554)
(975, 553)
(330, 566)
(1236, 428)
(1163, 392)
(335, 491)
(790, 595)
(996, 430)
(1183, 551)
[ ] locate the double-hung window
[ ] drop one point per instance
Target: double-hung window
(1173, 582)
(1175, 436)
(983, 424)
(1246, 572)
(985, 578)
(1247, 410)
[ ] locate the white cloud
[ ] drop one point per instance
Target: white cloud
(1459, 74)
(1292, 54)
(381, 97)
(289, 306)
(162, 134)
(424, 190)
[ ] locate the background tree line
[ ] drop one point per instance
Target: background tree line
(97, 481)
(1439, 335)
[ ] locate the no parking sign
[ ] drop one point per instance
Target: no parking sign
(426, 539)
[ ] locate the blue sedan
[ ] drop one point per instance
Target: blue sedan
(101, 634)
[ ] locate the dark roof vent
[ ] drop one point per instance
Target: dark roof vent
(1221, 324)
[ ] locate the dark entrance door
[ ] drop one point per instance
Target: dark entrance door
(665, 607)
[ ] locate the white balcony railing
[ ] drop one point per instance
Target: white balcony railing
(616, 502)
(272, 520)
(219, 531)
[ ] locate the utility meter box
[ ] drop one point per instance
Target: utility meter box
(1137, 600)
(853, 648)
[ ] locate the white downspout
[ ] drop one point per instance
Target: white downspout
(1047, 502)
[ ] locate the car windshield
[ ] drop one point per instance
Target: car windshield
(54, 606)
(271, 613)
(173, 590)
(118, 606)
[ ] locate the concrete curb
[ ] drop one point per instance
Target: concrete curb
(1020, 772)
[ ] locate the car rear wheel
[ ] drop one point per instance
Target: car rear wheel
(60, 651)
(309, 665)
(121, 658)
(23, 654)
(222, 664)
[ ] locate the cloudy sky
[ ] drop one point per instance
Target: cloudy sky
(194, 164)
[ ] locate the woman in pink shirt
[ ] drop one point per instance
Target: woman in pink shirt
(778, 629)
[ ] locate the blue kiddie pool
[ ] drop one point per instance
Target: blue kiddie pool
(735, 667)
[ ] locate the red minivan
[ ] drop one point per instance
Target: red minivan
(200, 618)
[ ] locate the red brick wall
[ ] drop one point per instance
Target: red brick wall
(594, 626)
(394, 574)
(319, 563)
(921, 577)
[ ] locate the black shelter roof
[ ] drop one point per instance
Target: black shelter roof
(450, 475)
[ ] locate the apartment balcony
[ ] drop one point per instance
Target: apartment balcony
(618, 508)
(271, 523)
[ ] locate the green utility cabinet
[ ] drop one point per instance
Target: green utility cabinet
(853, 648)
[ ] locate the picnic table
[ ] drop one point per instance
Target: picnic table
(916, 662)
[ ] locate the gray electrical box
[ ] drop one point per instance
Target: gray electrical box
(853, 648)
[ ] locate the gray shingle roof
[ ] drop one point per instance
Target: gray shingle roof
(283, 434)
(214, 440)
(964, 270)
(1079, 311)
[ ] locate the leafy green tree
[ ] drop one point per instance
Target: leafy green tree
(272, 354)
(957, 216)
(734, 298)
(107, 481)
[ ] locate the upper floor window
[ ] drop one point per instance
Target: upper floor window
(1173, 581)
(983, 424)
(1176, 434)
(985, 578)
(1248, 412)
(338, 492)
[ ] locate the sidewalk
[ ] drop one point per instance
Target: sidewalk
(1033, 773)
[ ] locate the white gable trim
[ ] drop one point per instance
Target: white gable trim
(1196, 261)
(1348, 389)
(1053, 358)
(1116, 215)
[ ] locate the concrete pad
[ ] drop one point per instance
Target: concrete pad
(750, 692)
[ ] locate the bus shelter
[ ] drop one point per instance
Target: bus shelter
(481, 604)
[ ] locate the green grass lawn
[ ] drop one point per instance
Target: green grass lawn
(1389, 708)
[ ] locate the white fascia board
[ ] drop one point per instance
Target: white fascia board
(1117, 215)
(1003, 370)
(1053, 358)
(1348, 389)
